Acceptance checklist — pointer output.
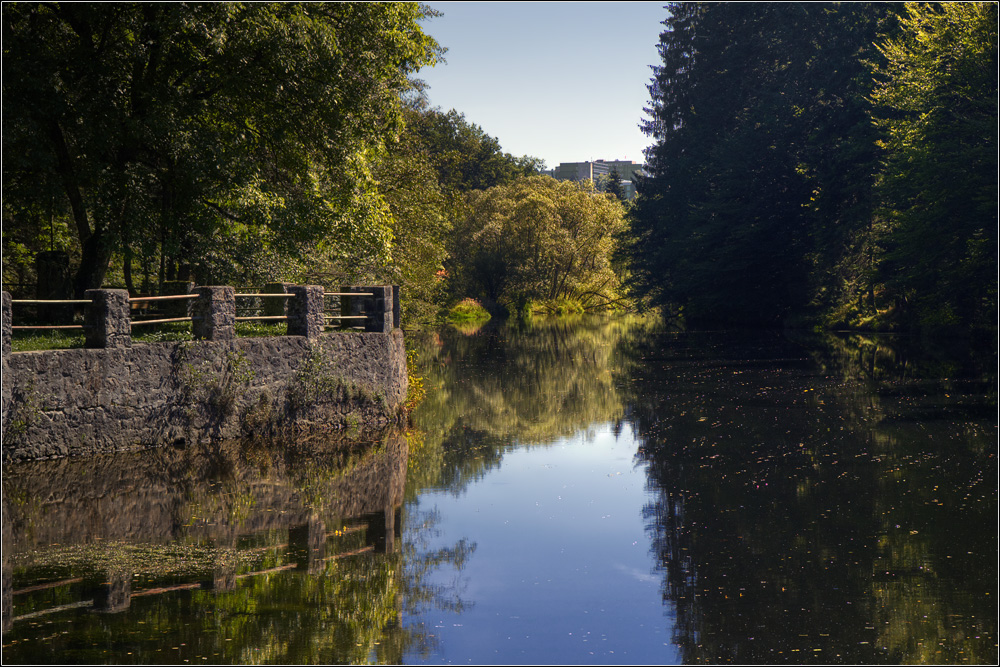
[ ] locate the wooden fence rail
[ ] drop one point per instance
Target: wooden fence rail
(108, 321)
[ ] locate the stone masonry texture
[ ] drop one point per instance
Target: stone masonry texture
(87, 401)
(107, 320)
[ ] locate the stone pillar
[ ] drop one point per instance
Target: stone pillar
(305, 311)
(223, 579)
(383, 529)
(213, 313)
(180, 307)
(379, 309)
(8, 379)
(309, 542)
(272, 306)
(116, 595)
(7, 318)
(397, 310)
(107, 320)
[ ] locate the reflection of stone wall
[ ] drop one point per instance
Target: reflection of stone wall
(85, 401)
(213, 492)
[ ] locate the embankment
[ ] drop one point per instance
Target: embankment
(87, 401)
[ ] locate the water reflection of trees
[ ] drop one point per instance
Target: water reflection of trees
(528, 383)
(818, 513)
(234, 553)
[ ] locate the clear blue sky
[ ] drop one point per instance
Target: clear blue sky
(562, 81)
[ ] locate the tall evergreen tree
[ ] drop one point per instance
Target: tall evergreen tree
(614, 186)
(742, 106)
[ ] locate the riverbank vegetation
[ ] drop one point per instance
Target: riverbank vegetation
(832, 164)
(829, 165)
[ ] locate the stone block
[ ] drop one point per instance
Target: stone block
(107, 320)
(397, 311)
(379, 308)
(214, 313)
(305, 311)
(7, 319)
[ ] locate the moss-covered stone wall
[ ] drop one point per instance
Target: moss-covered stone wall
(85, 401)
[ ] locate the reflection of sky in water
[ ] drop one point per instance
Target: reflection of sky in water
(561, 572)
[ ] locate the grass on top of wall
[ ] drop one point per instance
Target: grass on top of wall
(33, 341)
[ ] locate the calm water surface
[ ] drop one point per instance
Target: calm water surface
(596, 491)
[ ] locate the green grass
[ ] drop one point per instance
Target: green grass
(45, 340)
(468, 310)
(252, 329)
(171, 332)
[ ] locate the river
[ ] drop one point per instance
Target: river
(590, 491)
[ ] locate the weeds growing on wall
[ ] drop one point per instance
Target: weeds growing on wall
(25, 408)
(217, 391)
(316, 382)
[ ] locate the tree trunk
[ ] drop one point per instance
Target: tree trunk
(94, 260)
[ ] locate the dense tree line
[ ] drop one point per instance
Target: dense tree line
(237, 136)
(824, 162)
(236, 143)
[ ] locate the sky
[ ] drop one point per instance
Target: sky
(561, 81)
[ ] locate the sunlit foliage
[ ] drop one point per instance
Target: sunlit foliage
(935, 100)
(539, 239)
(228, 135)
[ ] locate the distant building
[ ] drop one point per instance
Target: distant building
(579, 171)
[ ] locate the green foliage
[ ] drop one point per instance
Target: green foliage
(539, 238)
(560, 307)
(935, 100)
(51, 340)
(468, 310)
(762, 161)
(421, 178)
(613, 185)
(234, 136)
(415, 390)
(463, 155)
(257, 329)
(163, 333)
(553, 379)
(773, 197)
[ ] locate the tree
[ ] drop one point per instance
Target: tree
(217, 132)
(539, 239)
(465, 157)
(935, 100)
(614, 186)
(756, 115)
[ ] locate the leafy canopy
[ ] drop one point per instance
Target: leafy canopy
(225, 133)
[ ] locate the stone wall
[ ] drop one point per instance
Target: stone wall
(130, 395)
(172, 495)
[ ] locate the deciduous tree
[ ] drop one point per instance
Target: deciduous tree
(215, 132)
(540, 239)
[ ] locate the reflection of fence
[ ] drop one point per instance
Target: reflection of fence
(306, 548)
(212, 311)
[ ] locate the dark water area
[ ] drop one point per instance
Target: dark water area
(591, 491)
